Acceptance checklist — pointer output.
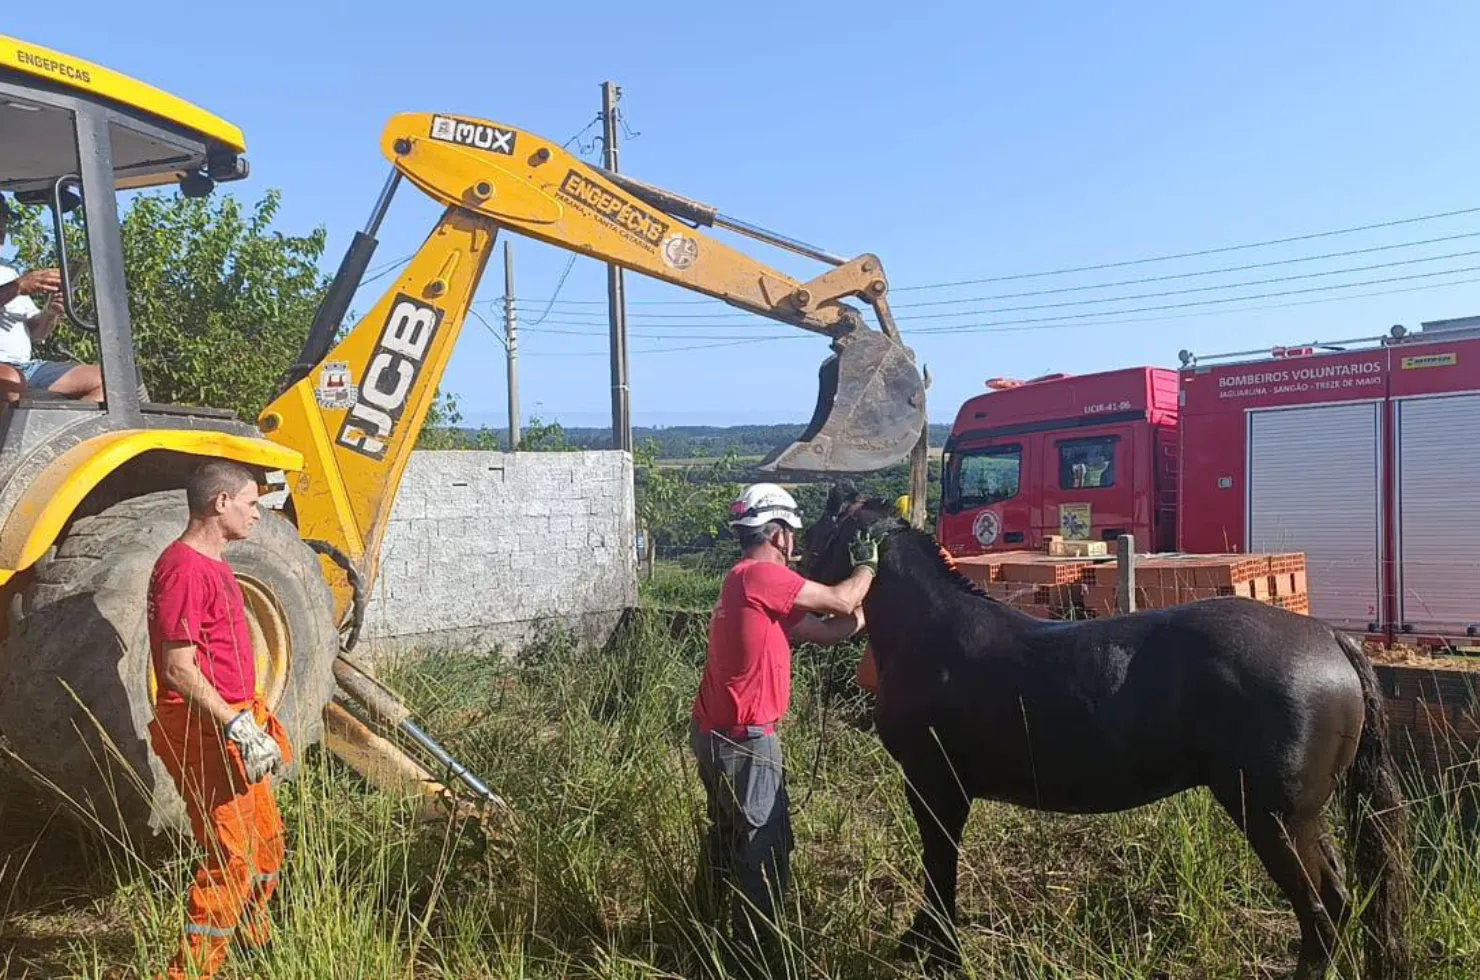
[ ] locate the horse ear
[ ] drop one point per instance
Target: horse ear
(834, 500)
(842, 494)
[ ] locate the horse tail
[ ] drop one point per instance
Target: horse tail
(1377, 830)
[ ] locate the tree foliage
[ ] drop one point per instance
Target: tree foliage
(220, 302)
(886, 484)
(442, 431)
(541, 436)
(681, 507)
(688, 441)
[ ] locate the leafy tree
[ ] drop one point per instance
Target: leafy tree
(441, 429)
(680, 505)
(540, 436)
(220, 302)
(688, 441)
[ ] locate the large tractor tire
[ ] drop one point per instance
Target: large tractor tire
(76, 682)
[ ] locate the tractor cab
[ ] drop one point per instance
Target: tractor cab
(72, 135)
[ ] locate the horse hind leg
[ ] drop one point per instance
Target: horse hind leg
(1334, 894)
(1293, 853)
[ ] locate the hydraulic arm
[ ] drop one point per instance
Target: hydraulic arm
(354, 404)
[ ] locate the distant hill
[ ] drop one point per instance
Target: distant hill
(682, 441)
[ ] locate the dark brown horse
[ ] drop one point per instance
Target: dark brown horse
(1266, 708)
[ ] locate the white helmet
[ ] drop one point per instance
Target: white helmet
(761, 503)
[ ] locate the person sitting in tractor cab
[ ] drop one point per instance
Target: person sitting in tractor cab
(23, 323)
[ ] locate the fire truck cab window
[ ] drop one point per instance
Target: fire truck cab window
(1087, 464)
(988, 476)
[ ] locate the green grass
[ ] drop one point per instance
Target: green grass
(592, 880)
(676, 586)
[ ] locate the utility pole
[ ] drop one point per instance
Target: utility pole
(920, 468)
(511, 343)
(615, 295)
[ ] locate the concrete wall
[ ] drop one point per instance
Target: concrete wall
(486, 549)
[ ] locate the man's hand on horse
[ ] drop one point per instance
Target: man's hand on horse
(864, 549)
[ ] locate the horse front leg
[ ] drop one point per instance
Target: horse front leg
(940, 809)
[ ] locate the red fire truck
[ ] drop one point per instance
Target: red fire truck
(1358, 453)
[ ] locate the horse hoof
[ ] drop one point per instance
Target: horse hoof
(927, 943)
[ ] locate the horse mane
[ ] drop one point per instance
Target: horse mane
(929, 548)
(926, 548)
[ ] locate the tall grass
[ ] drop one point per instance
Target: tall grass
(592, 879)
(673, 585)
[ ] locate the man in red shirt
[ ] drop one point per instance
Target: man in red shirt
(214, 735)
(746, 688)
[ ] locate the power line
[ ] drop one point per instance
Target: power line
(1094, 320)
(1192, 275)
(1119, 317)
(662, 350)
(387, 268)
(1053, 324)
(692, 321)
(1024, 308)
(1129, 262)
(1197, 254)
(569, 264)
(1193, 289)
(571, 261)
(497, 334)
(991, 327)
(582, 150)
(653, 336)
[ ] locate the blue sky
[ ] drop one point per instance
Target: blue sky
(957, 141)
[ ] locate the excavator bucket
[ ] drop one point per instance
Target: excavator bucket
(870, 407)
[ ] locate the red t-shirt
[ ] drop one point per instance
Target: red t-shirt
(747, 677)
(196, 599)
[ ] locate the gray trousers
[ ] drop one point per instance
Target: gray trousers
(749, 837)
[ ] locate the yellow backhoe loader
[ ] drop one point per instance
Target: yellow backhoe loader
(90, 494)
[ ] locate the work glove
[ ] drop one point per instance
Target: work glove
(260, 754)
(864, 549)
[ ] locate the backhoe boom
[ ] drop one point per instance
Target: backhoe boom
(354, 411)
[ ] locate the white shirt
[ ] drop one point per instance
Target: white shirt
(15, 339)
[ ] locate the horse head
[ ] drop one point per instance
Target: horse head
(825, 541)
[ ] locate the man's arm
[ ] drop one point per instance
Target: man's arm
(183, 674)
(35, 281)
(41, 325)
(844, 598)
(836, 600)
(826, 632)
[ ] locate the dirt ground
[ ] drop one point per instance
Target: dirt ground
(56, 891)
(1401, 655)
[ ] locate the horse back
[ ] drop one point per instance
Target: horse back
(1102, 714)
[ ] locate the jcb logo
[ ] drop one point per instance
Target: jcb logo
(390, 377)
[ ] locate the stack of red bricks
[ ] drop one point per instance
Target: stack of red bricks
(1085, 588)
(1040, 585)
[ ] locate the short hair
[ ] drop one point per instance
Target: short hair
(751, 537)
(214, 477)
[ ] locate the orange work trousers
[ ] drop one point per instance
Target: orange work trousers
(866, 674)
(237, 824)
